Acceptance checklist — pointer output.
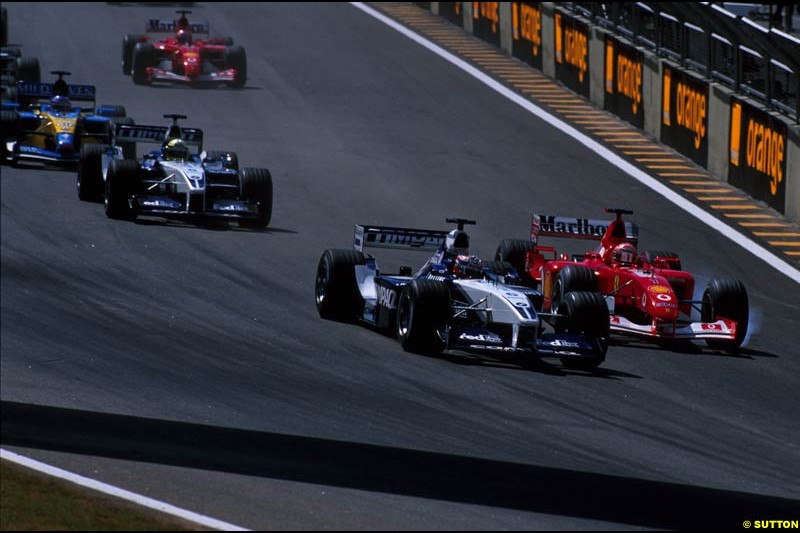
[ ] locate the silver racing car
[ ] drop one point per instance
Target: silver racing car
(175, 181)
(456, 301)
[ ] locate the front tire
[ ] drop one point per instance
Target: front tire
(121, 183)
(726, 298)
(10, 126)
(422, 313)
(336, 291)
(256, 187)
(128, 44)
(144, 56)
(90, 172)
(585, 313)
(572, 278)
(236, 58)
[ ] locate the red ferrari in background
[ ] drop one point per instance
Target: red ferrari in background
(648, 294)
(181, 57)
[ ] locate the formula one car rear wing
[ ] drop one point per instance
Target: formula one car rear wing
(156, 134)
(397, 238)
(576, 228)
(171, 26)
(42, 91)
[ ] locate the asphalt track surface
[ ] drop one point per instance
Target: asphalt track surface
(187, 363)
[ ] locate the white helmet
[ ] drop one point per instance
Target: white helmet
(457, 243)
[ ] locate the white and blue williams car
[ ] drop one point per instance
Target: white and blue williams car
(179, 180)
(457, 302)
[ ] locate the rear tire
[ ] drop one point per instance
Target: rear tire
(256, 186)
(121, 183)
(572, 278)
(28, 70)
(726, 298)
(514, 251)
(336, 290)
(128, 148)
(584, 313)
(144, 56)
(90, 172)
(422, 312)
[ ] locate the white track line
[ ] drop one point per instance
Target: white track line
(739, 238)
(119, 493)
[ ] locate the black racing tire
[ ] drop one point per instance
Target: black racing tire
(122, 181)
(10, 93)
(144, 56)
(336, 289)
(726, 298)
(90, 172)
(128, 44)
(3, 26)
(229, 159)
(99, 130)
(256, 186)
(28, 70)
(10, 126)
(235, 57)
(584, 313)
(128, 148)
(514, 251)
(10, 123)
(651, 255)
(422, 313)
(572, 278)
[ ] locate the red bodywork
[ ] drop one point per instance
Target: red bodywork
(652, 299)
(188, 61)
(183, 58)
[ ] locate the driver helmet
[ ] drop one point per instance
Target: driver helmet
(184, 37)
(61, 103)
(457, 243)
(624, 254)
(175, 150)
(468, 267)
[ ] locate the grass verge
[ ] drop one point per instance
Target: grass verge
(32, 501)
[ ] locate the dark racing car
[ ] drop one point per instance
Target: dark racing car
(457, 302)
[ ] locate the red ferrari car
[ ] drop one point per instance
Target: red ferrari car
(187, 56)
(648, 294)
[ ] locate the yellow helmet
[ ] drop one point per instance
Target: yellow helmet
(175, 150)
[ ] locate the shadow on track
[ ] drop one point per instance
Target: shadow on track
(535, 365)
(407, 472)
(209, 224)
(689, 348)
